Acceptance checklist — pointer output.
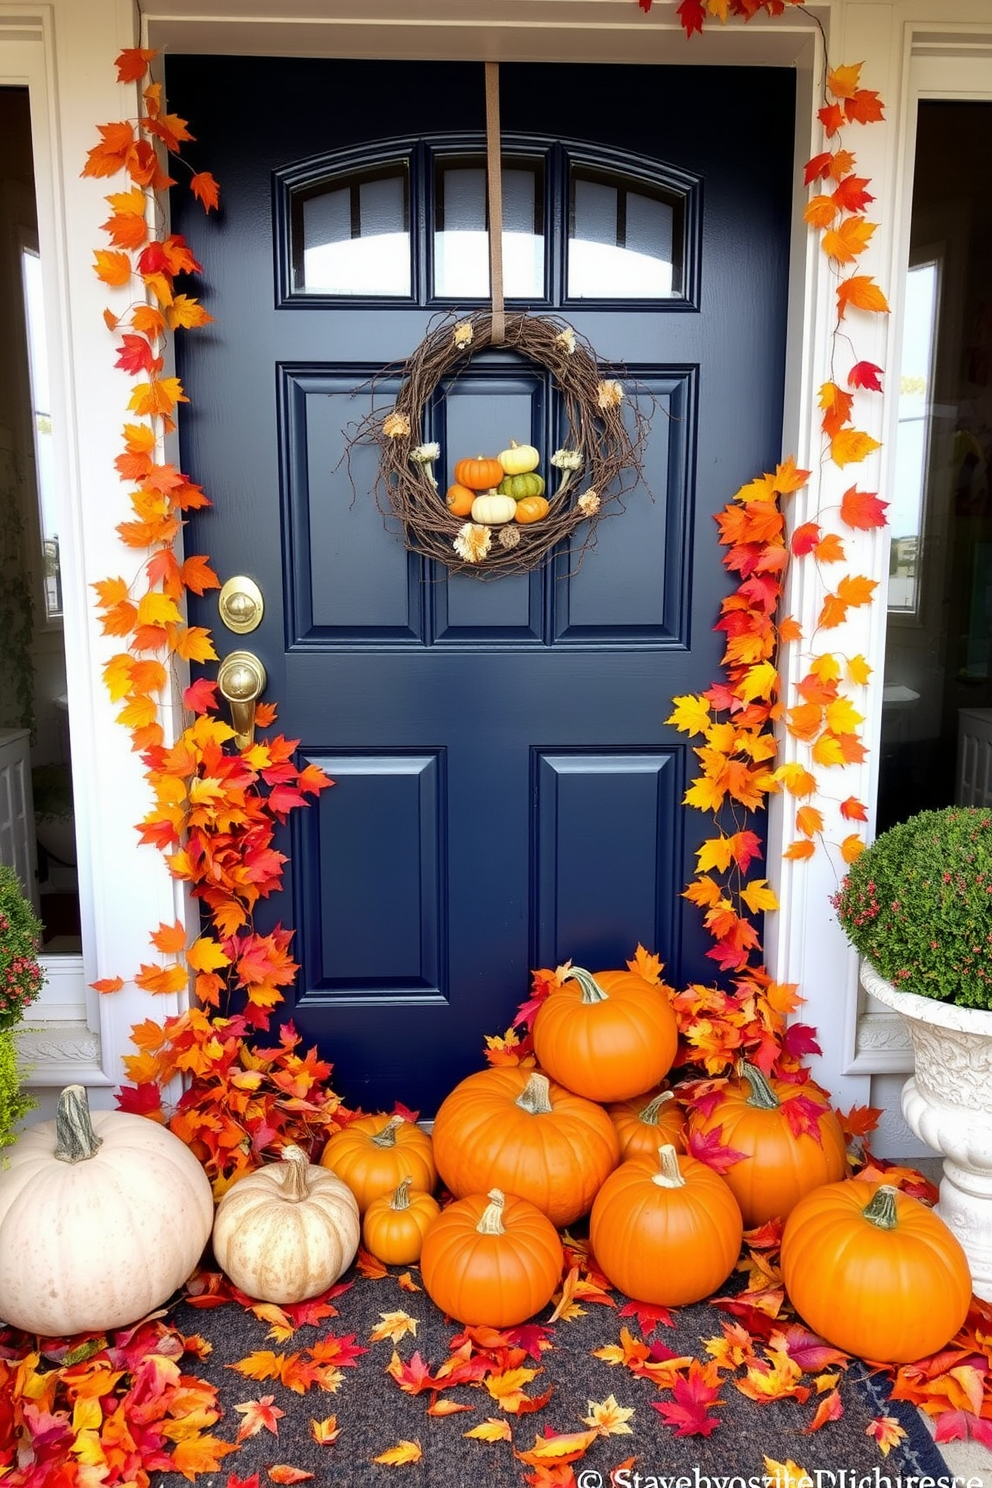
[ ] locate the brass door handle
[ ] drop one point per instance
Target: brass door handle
(241, 679)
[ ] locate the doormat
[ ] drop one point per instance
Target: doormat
(373, 1384)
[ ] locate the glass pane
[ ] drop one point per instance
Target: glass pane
(624, 241)
(936, 740)
(461, 242)
(42, 420)
(352, 237)
(913, 441)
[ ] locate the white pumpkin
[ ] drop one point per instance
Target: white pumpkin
(287, 1231)
(102, 1217)
(492, 509)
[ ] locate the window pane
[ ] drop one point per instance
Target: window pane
(44, 446)
(623, 243)
(461, 243)
(353, 237)
(913, 441)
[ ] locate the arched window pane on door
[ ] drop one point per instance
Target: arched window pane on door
(624, 242)
(461, 237)
(351, 236)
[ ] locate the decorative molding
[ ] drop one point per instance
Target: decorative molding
(58, 1054)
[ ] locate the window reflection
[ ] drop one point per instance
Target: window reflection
(622, 243)
(906, 514)
(461, 242)
(42, 421)
(354, 239)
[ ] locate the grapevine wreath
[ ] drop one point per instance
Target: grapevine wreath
(601, 460)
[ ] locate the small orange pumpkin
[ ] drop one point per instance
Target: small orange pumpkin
(491, 1261)
(532, 508)
(395, 1224)
(480, 474)
(874, 1271)
(668, 1231)
(781, 1163)
(607, 1037)
(459, 500)
(647, 1123)
(373, 1154)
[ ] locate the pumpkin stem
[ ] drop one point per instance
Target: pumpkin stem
(649, 1115)
(387, 1137)
(881, 1212)
(401, 1198)
(491, 1221)
(75, 1139)
(670, 1175)
(535, 1098)
(591, 990)
(762, 1095)
(296, 1178)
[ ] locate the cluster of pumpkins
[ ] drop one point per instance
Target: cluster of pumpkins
(103, 1216)
(496, 490)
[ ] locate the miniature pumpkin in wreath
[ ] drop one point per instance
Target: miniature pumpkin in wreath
(373, 1154)
(458, 500)
(103, 1216)
(480, 474)
(788, 1137)
(519, 486)
(514, 1129)
(874, 1271)
(608, 1037)
(666, 1231)
(519, 458)
(492, 1260)
(395, 1224)
(286, 1231)
(648, 1122)
(531, 509)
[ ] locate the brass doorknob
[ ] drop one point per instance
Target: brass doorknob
(241, 605)
(241, 679)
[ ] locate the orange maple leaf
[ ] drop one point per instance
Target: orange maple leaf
(844, 243)
(849, 446)
(132, 63)
(799, 850)
(836, 405)
(205, 189)
(862, 509)
(830, 549)
(200, 1454)
(113, 267)
(860, 293)
(169, 939)
(109, 156)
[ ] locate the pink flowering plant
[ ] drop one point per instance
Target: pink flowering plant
(917, 905)
(21, 980)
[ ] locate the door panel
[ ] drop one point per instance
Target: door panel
(507, 794)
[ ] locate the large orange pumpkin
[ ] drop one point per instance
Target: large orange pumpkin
(514, 1129)
(668, 1231)
(874, 1271)
(495, 1260)
(647, 1123)
(780, 1163)
(373, 1154)
(607, 1037)
(480, 474)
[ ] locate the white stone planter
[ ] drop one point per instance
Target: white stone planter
(947, 1102)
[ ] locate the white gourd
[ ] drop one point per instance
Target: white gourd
(287, 1231)
(103, 1216)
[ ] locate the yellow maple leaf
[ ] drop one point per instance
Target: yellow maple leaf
(886, 1431)
(796, 778)
(510, 1381)
(155, 608)
(394, 1325)
(843, 717)
(842, 81)
(491, 1430)
(567, 1447)
(647, 966)
(205, 954)
(858, 670)
(717, 852)
(608, 1418)
(705, 795)
(760, 489)
(852, 847)
(690, 715)
(705, 892)
(760, 681)
(117, 675)
(809, 820)
(326, 1431)
(786, 1474)
(758, 896)
(826, 667)
(848, 446)
(403, 1453)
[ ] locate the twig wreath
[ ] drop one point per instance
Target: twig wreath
(602, 458)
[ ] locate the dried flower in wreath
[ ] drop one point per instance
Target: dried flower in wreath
(604, 433)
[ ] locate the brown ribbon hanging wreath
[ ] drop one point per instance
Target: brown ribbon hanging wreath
(601, 459)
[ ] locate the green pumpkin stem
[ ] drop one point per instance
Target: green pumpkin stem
(651, 1112)
(491, 1221)
(591, 990)
(762, 1095)
(296, 1178)
(75, 1139)
(535, 1098)
(670, 1175)
(401, 1198)
(387, 1137)
(881, 1211)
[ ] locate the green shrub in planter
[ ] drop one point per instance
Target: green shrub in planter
(21, 980)
(917, 904)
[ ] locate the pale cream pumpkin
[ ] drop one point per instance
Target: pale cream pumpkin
(103, 1216)
(287, 1231)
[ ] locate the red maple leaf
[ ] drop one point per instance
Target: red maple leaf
(648, 1316)
(818, 169)
(805, 538)
(865, 375)
(711, 1150)
(692, 14)
(689, 1414)
(803, 1115)
(862, 509)
(799, 1040)
(135, 355)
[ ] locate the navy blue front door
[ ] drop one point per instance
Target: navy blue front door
(507, 794)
